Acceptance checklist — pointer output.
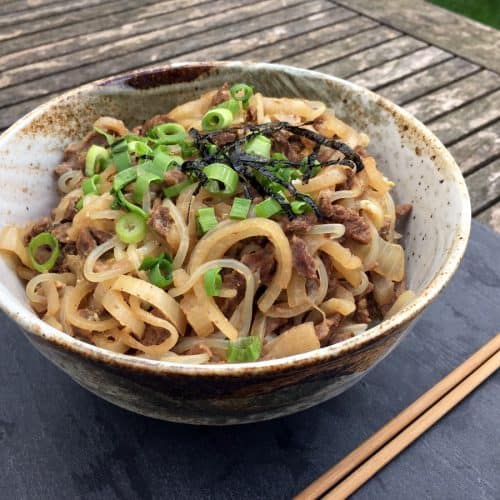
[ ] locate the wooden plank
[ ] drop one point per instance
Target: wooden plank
(398, 68)
(428, 80)
(465, 120)
(281, 38)
(137, 57)
(13, 36)
(477, 148)
(372, 57)
(437, 26)
(491, 217)
(452, 96)
(143, 49)
(167, 14)
(325, 53)
(484, 186)
(20, 5)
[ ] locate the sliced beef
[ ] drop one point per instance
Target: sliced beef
(75, 153)
(235, 281)
(288, 144)
(100, 236)
(384, 231)
(274, 325)
(262, 262)
(332, 279)
(85, 242)
(223, 94)
(324, 154)
(356, 227)
(160, 220)
(71, 210)
(60, 231)
(337, 337)
(325, 329)
(224, 138)
(303, 261)
(154, 335)
(403, 210)
(200, 349)
(301, 224)
(38, 227)
(362, 314)
(173, 177)
(349, 181)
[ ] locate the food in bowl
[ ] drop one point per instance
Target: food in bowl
(234, 228)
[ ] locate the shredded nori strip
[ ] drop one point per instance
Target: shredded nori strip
(248, 165)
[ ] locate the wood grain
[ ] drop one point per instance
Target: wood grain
(372, 57)
(398, 68)
(465, 120)
(283, 38)
(484, 186)
(454, 95)
(477, 148)
(428, 80)
(8, 7)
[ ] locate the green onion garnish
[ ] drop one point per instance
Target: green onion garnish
(89, 186)
(232, 104)
(124, 178)
(168, 133)
(267, 208)
(300, 207)
(162, 162)
(221, 173)
(131, 228)
(110, 138)
(121, 201)
(139, 148)
(244, 349)
(216, 119)
(96, 156)
(142, 185)
(120, 156)
(242, 92)
(176, 189)
(212, 281)
(206, 219)
(40, 240)
(240, 208)
(260, 145)
(160, 269)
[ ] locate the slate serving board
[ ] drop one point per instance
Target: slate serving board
(58, 441)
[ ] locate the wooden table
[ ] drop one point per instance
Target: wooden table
(442, 67)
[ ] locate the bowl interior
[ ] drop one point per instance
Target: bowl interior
(424, 173)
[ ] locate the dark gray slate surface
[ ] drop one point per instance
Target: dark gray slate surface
(57, 441)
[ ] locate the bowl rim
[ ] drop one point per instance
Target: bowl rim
(29, 322)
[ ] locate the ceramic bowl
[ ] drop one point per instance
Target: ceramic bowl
(435, 239)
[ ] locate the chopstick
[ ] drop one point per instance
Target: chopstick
(397, 434)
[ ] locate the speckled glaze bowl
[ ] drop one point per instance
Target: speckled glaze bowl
(435, 239)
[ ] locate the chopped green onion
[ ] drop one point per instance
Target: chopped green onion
(260, 145)
(131, 228)
(79, 204)
(164, 162)
(160, 269)
(240, 208)
(216, 119)
(142, 185)
(244, 349)
(279, 156)
(188, 150)
(242, 92)
(300, 207)
(224, 174)
(121, 201)
(207, 219)
(40, 240)
(96, 155)
(89, 186)
(212, 149)
(267, 208)
(212, 282)
(120, 156)
(168, 133)
(139, 148)
(176, 189)
(110, 138)
(124, 178)
(232, 104)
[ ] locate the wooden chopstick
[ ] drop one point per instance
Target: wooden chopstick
(470, 372)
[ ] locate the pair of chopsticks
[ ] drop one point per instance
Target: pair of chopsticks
(377, 451)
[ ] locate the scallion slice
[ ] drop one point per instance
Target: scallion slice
(260, 145)
(176, 189)
(144, 179)
(244, 349)
(162, 162)
(131, 228)
(206, 219)
(160, 269)
(96, 156)
(124, 178)
(300, 207)
(240, 208)
(212, 282)
(40, 240)
(216, 119)
(121, 201)
(241, 92)
(232, 104)
(267, 208)
(224, 174)
(120, 156)
(89, 186)
(110, 138)
(168, 133)
(139, 148)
